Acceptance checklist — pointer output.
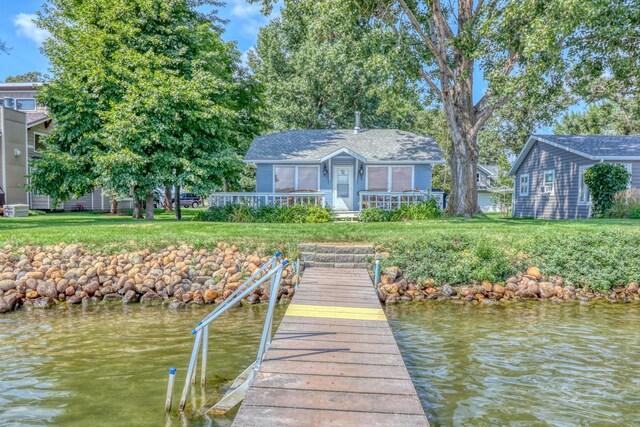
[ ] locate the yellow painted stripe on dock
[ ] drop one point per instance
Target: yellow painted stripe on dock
(354, 313)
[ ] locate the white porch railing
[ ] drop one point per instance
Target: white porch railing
(389, 200)
(262, 199)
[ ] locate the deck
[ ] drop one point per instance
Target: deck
(334, 361)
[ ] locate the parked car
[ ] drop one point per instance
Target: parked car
(190, 200)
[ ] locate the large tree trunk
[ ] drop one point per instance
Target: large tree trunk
(178, 205)
(114, 205)
(463, 199)
(149, 207)
(168, 205)
(463, 154)
(137, 209)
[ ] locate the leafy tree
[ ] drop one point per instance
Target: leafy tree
(144, 94)
(319, 62)
(31, 76)
(603, 118)
(604, 180)
(521, 47)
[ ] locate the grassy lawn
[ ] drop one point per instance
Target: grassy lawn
(601, 253)
(106, 232)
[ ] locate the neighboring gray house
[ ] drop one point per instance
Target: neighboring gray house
(346, 170)
(549, 172)
(485, 178)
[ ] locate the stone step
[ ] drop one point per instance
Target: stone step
(312, 264)
(337, 248)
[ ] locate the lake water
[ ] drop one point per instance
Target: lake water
(525, 364)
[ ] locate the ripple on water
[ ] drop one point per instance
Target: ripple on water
(525, 364)
(521, 365)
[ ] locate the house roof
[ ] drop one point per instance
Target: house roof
(36, 118)
(490, 170)
(372, 145)
(593, 147)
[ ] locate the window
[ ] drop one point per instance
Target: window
(378, 178)
(295, 178)
(307, 178)
(26, 104)
(390, 178)
(549, 181)
(401, 178)
(629, 168)
(9, 102)
(583, 190)
(524, 185)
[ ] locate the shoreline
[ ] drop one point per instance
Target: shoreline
(179, 276)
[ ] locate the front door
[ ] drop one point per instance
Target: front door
(343, 188)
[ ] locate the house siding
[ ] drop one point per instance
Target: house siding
(264, 178)
(563, 203)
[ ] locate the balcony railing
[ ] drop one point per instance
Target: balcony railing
(390, 200)
(263, 199)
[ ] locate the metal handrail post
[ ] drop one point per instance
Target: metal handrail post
(192, 363)
(266, 331)
(269, 263)
(205, 349)
(237, 298)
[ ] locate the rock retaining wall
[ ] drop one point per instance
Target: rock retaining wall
(47, 276)
(527, 285)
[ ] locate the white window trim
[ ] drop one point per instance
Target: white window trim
(520, 193)
(35, 103)
(389, 175)
(295, 175)
(581, 185)
(553, 182)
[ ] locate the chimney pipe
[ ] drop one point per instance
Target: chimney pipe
(357, 128)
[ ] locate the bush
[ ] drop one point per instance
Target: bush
(625, 204)
(36, 212)
(416, 212)
(374, 215)
(243, 213)
(604, 180)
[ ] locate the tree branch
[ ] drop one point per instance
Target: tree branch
(430, 82)
(439, 55)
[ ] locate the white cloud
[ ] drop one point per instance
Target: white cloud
(27, 28)
(243, 9)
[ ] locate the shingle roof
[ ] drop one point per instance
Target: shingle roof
(593, 147)
(371, 144)
(597, 145)
(36, 117)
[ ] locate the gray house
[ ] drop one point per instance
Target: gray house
(549, 172)
(346, 170)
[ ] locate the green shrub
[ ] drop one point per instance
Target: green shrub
(317, 215)
(604, 181)
(415, 212)
(242, 213)
(625, 204)
(374, 215)
(36, 212)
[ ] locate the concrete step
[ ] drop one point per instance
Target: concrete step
(336, 255)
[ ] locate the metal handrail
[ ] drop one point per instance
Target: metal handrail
(267, 264)
(201, 331)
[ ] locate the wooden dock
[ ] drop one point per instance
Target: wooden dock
(333, 361)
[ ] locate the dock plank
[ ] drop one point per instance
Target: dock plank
(333, 361)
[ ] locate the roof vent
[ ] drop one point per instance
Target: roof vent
(357, 128)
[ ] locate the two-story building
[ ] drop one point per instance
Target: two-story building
(23, 123)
